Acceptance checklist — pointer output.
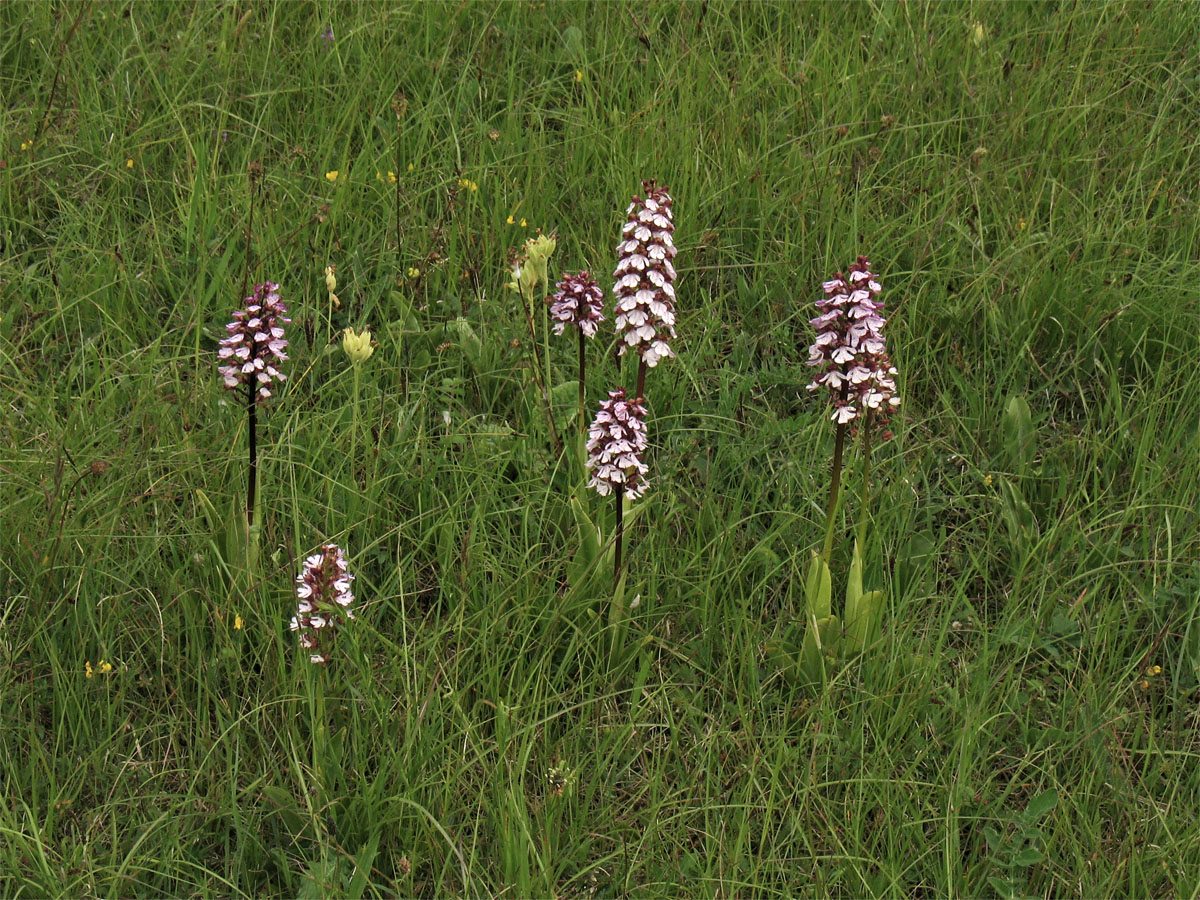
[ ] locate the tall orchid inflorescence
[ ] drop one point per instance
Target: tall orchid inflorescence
(578, 303)
(645, 286)
(324, 599)
(854, 364)
(850, 348)
(255, 342)
(616, 442)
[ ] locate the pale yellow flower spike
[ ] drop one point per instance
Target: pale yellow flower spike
(357, 346)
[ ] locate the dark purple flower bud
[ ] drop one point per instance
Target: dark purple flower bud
(616, 442)
(850, 349)
(255, 342)
(579, 303)
(324, 599)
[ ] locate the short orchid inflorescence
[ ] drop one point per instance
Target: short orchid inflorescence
(255, 341)
(645, 286)
(850, 348)
(323, 592)
(578, 303)
(616, 442)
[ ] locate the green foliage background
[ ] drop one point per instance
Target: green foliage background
(1023, 176)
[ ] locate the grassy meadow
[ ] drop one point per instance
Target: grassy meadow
(1023, 177)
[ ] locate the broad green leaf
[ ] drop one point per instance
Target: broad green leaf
(1040, 805)
(1020, 440)
(1028, 857)
(363, 860)
(818, 592)
(854, 586)
(1003, 887)
(863, 630)
(1018, 517)
(471, 346)
(818, 589)
(784, 656)
(853, 611)
(284, 804)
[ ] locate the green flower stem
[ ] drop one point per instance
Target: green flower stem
(618, 539)
(320, 737)
(354, 417)
(543, 386)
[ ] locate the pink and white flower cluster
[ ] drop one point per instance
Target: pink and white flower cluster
(255, 343)
(579, 303)
(645, 286)
(850, 348)
(616, 442)
(323, 591)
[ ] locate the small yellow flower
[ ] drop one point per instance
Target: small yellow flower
(410, 167)
(509, 220)
(524, 224)
(129, 163)
(330, 278)
(237, 623)
(391, 177)
(987, 479)
(87, 669)
(332, 176)
(1154, 670)
(357, 346)
(1144, 685)
(468, 184)
(579, 75)
(413, 272)
(104, 667)
(28, 145)
(1022, 224)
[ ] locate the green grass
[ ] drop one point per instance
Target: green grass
(1028, 194)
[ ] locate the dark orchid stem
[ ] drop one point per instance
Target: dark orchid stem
(255, 171)
(620, 536)
(641, 382)
(83, 8)
(835, 481)
(252, 476)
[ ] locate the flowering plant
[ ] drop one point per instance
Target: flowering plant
(249, 357)
(645, 280)
(324, 600)
(850, 353)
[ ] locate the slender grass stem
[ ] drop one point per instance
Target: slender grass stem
(865, 492)
(835, 481)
